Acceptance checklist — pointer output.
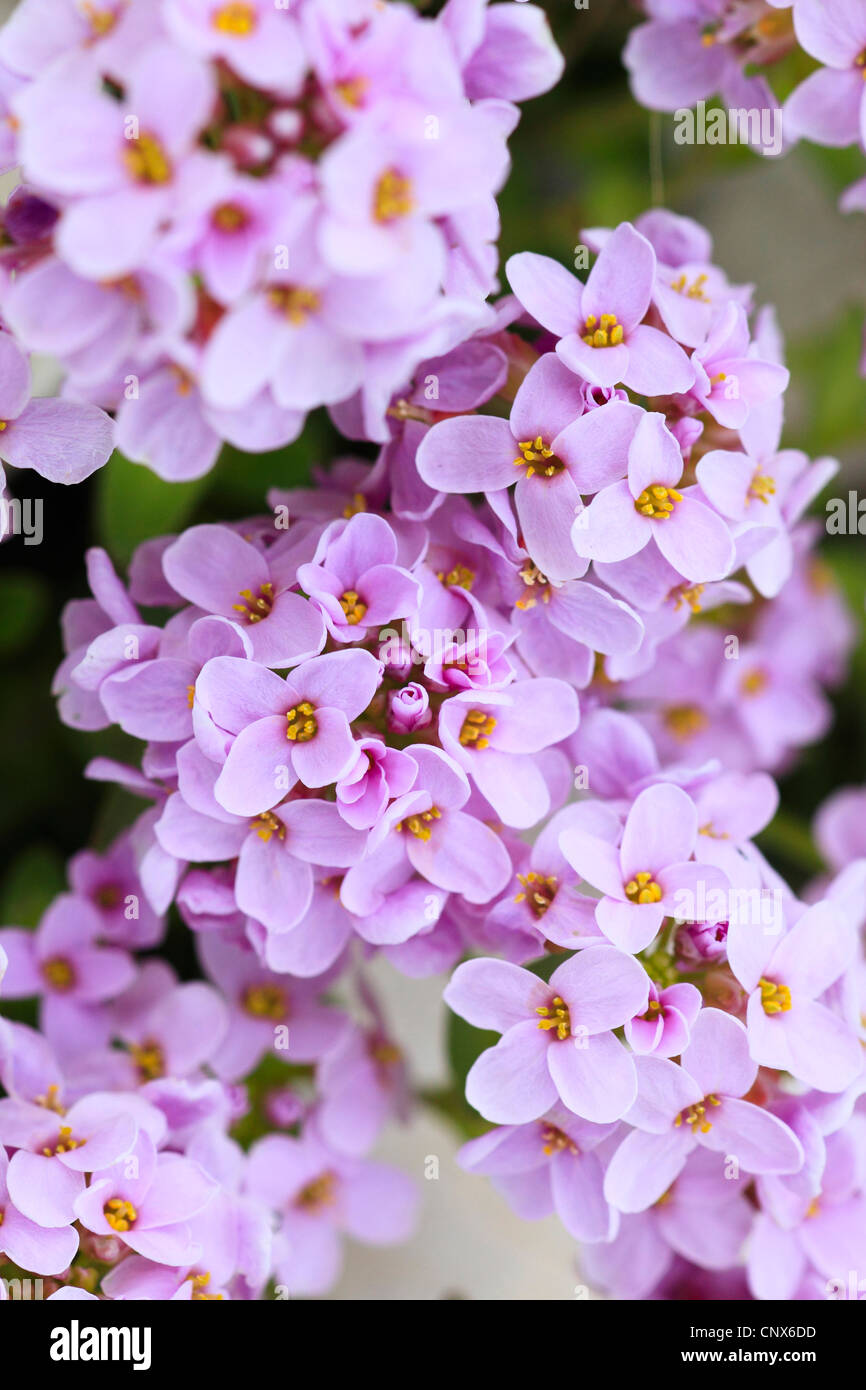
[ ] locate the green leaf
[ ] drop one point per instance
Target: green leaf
(24, 610)
(30, 884)
(133, 505)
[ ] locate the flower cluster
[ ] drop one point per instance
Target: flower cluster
(697, 49)
(235, 212)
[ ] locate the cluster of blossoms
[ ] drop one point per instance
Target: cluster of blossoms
(578, 563)
(235, 212)
(357, 706)
(694, 50)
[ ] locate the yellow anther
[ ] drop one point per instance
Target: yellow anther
(58, 972)
(320, 1192)
(120, 1214)
(696, 1115)
(762, 487)
(266, 825)
(265, 1001)
(607, 332)
(556, 1018)
(687, 593)
(539, 892)
(237, 18)
(476, 729)
(199, 1287)
(536, 457)
(460, 576)
(643, 889)
(50, 1100)
(754, 682)
(256, 606)
(357, 504)
(695, 290)
(684, 721)
(657, 501)
(146, 160)
(352, 606)
(230, 217)
(419, 825)
(301, 725)
(190, 695)
(149, 1060)
(393, 197)
(775, 998)
(65, 1143)
(101, 21)
(294, 302)
(556, 1140)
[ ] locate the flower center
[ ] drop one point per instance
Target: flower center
(230, 217)
(684, 721)
(199, 1290)
(108, 896)
(775, 999)
(266, 825)
(643, 889)
(539, 892)
(353, 606)
(476, 729)
(419, 825)
(460, 576)
(754, 682)
(120, 1214)
(860, 62)
(555, 1140)
(555, 1016)
(536, 457)
(352, 90)
(58, 972)
(65, 1143)
(294, 303)
(762, 487)
(653, 1010)
(237, 18)
(321, 1192)
(657, 501)
(50, 1101)
(258, 605)
(687, 593)
(696, 1115)
(301, 725)
(265, 1001)
(147, 161)
(604, 332)
(149, 1059)
(392, 197)
(101, 21)
(695, 290)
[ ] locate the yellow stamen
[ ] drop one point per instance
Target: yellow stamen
(149, 1060)
(775, 998)
(536, 457)
(419, 825)
(392, 197)
(257, 606)
(236, 18)
(265, 1001)
(643, 889)
(294, 303)
(353, 607)
(146, 160)
(301, 726)
(476, 729)
(120, 1214)
(59, 973)
(604, 332)
(657, 501)
(556, 1018)
(266, 825)
(539, 892)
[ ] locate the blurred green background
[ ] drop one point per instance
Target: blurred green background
(583, 155)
